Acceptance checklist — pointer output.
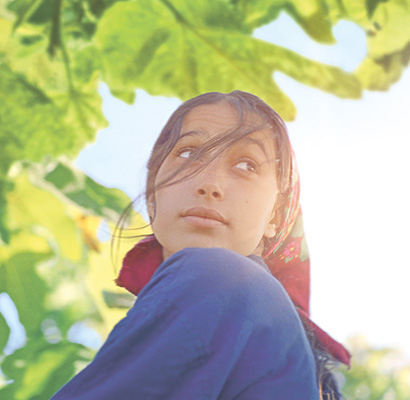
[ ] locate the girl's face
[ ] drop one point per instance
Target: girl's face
(227, 204)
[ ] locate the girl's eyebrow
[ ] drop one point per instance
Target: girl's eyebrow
(192, 133)
(246, 139)
(251, 140)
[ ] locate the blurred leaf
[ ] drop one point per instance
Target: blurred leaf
(64, 179)
(45, 272)
(100, 281)
(4, 232)
(386, 24)
(325, 77)
(4, 331)
(58, 222)
(312, 17)
(371, 6)
(85, 64)
(37, 11)
(39, 369)
(19, 279)
(43, 112)
(380, 74)
(388, 45)
(24, 241)
(28, 116)
(30, 207)
(391, 28)
(244, 16)
(376, 373)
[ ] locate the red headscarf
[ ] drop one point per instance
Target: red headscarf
(286, 255)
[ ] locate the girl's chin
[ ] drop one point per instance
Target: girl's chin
(206, 244)
(192, 243)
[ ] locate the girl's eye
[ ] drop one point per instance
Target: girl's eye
(247, 166)
(185, 152)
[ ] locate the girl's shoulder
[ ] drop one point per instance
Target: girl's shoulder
(220, 277)
(217, 262)
(218, 267)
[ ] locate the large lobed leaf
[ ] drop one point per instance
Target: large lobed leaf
(171, 48)
(27, 118)
(43, 110)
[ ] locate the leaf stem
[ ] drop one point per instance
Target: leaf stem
(56, 40)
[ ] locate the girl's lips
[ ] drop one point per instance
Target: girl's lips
(203, 217)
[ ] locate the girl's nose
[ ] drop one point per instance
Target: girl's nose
(209, 190)
(210, 182)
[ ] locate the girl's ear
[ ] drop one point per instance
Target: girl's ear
(270, 229)
(151, 207)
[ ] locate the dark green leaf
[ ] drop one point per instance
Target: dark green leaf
(43, 12)
(23, 9)
(83, 191)
(18, 278)
(8, 392)
(60, 176)
(39, 369)
(34, 11)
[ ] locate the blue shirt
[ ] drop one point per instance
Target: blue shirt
(210, 324)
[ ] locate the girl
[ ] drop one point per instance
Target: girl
(223, 284)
